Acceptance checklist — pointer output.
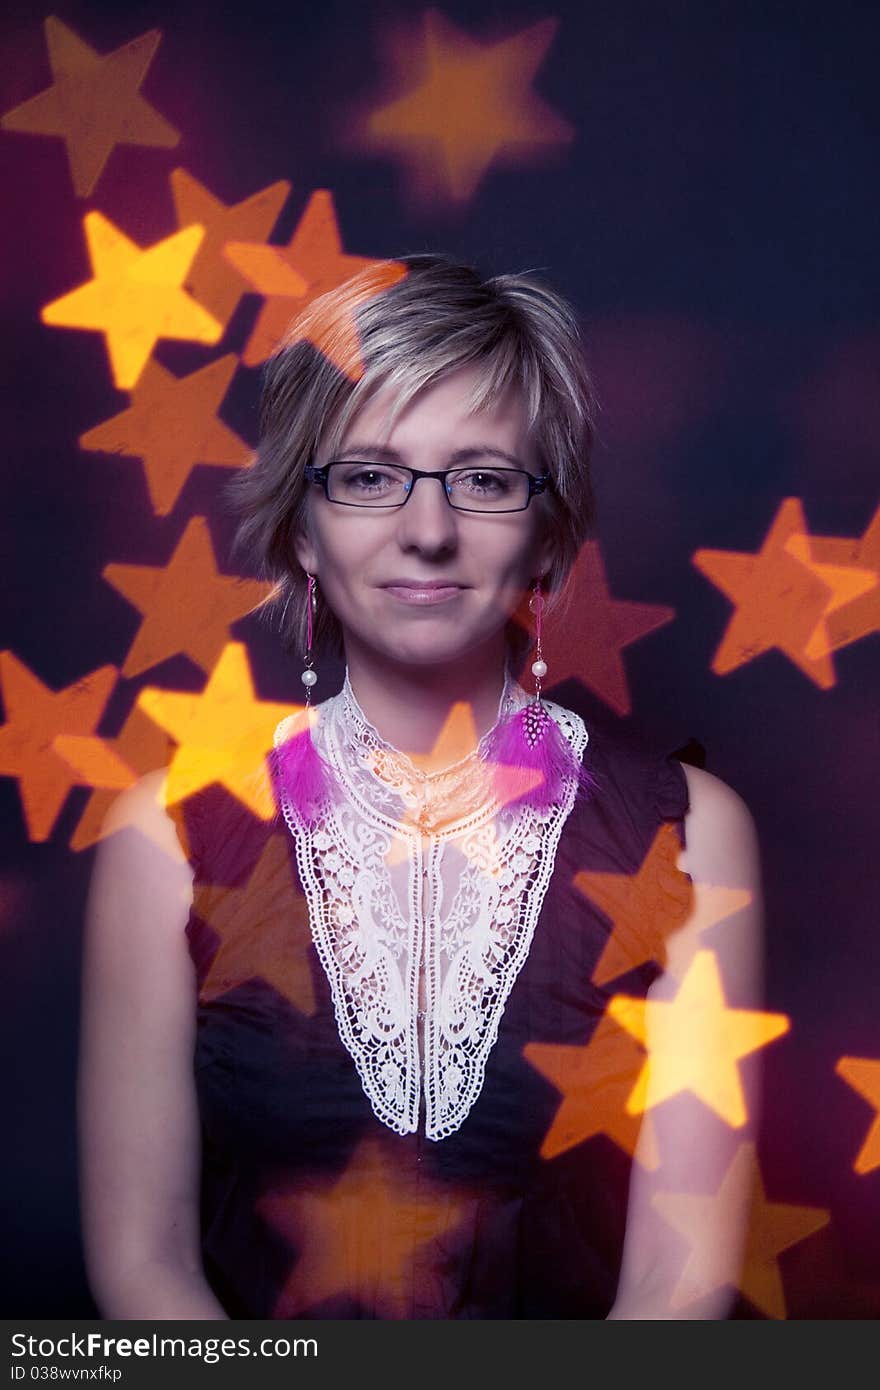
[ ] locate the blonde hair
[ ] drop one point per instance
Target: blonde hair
(440, 316)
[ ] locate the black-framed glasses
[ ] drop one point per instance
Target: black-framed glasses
(356, 483)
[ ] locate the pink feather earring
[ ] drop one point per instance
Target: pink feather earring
(531, 757)
(299, 768)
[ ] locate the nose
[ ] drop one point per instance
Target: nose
(427, 521)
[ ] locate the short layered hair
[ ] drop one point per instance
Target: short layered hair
(442, 315)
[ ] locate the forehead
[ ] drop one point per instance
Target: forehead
(441, 413)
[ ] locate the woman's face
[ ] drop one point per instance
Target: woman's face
(489, 559)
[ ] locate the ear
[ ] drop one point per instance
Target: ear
(304, 550)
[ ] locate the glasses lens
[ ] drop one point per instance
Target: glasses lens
(488, 489)
(367, 484)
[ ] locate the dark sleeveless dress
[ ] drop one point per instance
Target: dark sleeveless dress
(311, 1207)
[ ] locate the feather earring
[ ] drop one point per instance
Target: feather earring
(531, 757)
(299, 769)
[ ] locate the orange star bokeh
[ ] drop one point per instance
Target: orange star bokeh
(94, 103)
(276, 938)
(136, 297)
(360, 1236)
(586, 641)
(473, 105)
(35, 718)
(142, 746)
(223, 734)
(855, 564)
(212, 279)
(188, 606)
(290, 277)
(694, 1042)
(772, 1228)
(172, 424)
(783, 597)
(595, 1081)
(863, 1074)
(644, 907)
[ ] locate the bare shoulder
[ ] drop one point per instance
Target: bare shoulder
(720, 830)
(143, 807)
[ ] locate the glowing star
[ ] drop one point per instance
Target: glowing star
(35, 717)
(694, 1042)
(596, 629)
(474, 105)
(457, 738)
(360, 1237)
(644, 907)
(290, 277)
(263, 929)
(94, 103)
(143, 747)
(648, 906)
(780, 600)
(136, 297)
(224, 734)
(173, 425)
(595, 1081)
(852, 569)
(188, 606)
(751, 1266)
(863, 1074)
(212, 279)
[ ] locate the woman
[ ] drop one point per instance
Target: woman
(412, 1085)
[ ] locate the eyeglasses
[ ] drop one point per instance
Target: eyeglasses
(358, 484)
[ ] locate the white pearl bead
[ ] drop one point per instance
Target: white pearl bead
(539, 669)
(309, 678)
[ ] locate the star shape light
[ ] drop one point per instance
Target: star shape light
(781, 597)
(290, 277)
(586, 642)
(224, 734)
(467, 104)
(212, 278)
(646, 907)
(360, 1235)
(136, 296)
(754, 1269)
(94, 102)
(188, 606)
(595, 1081)
(172, 425)
(695, 1042)
(36, 717)
(143, 747)
(851, 568)
(263, 928)
(863, 1074)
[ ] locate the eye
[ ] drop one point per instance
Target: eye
(482, 480)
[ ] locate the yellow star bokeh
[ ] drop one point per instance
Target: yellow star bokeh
(223, 734)
(136, 296)
(94, 103)
(694, 1042)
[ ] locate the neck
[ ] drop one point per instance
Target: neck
(434, 713)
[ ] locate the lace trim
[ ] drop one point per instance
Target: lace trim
(375, 941)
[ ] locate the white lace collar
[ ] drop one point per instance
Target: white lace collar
(423, 899)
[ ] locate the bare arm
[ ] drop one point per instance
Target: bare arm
(139, 1146)
(689, 1269)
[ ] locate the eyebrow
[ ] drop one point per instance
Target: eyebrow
(387, 455)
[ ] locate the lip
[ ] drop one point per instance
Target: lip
(432, 592)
